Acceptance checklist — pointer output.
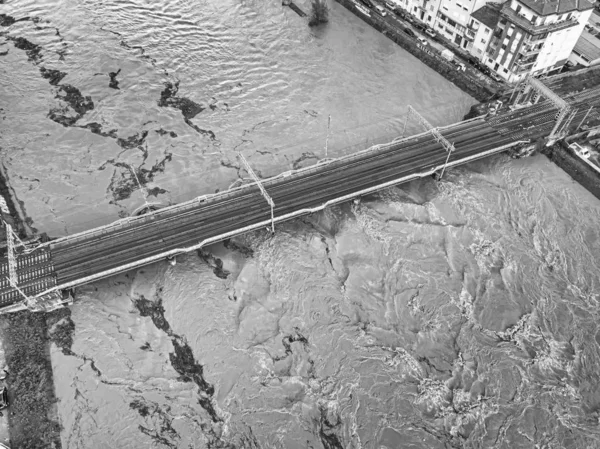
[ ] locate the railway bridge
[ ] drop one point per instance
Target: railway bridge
(36, 276)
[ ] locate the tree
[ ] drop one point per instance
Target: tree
(319, 13)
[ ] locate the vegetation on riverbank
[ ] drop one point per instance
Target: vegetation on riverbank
(33, 421)
(319, 13)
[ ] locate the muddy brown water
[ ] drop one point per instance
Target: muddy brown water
(454, 314)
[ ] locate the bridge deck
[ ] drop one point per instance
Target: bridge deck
(78, 259)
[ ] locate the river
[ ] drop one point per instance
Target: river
(454, 314)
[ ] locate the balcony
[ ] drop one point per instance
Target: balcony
(528, 50)
(522, 66)
(537, 37)
(492, 46)
(473, 25)
(470, 34)
(512, 16)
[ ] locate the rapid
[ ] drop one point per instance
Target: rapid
(460, 313)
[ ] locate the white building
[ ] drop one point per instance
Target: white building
(480, 29)
(535, 36)
(453, 17)
(423, 10)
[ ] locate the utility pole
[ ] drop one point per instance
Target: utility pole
(327, 138)
(262, 190)
(584, 117)
(13, 276)
(434, 132)
(564, 109)
(141, 187)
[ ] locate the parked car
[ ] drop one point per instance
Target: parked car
(580, 150)
(422, 40)
(447, 54)
(390, 5)
(367, 3)
(459, 65)
(400, 13)
(484, 70)
(495, 77)
(410, 32)
(420, 26)
(381, 10)
(473, 60)
(429, 32)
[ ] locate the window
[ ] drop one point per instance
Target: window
(483, 41)
(534, 19)
(429, 18)
(415, 9)
(430, 7)
(490, 60)
(505, 70)
(486, 31)
(459, 5)
(518, 9)
(444, 8)
(503, 47)
(465, 8)
(496, 66)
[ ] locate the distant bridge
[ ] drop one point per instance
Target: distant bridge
(37, 276)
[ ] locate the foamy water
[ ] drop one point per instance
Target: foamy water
(453, 314)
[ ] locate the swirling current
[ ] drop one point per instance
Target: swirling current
(459, 313)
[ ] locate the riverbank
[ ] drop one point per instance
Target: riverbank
(31, 420)
(32, 417)
(468, 84)
(572, 164)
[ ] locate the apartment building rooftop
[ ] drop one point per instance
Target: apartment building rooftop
(588, 45)
(547, 7)
(488, 14)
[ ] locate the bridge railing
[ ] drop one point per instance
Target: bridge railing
(131, 222)
(208, 241)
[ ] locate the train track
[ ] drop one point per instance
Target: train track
(87, 256)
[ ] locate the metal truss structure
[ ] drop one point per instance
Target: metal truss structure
(262, 189)
(434, 132)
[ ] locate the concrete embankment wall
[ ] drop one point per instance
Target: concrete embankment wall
(469, 84)
(577, 169)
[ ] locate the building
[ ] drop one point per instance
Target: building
(587, 48)
(480, 29)
(424, 10)
(535, 36)
(453, 17)
(586, 51)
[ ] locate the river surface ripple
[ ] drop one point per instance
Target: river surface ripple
(454, 314)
